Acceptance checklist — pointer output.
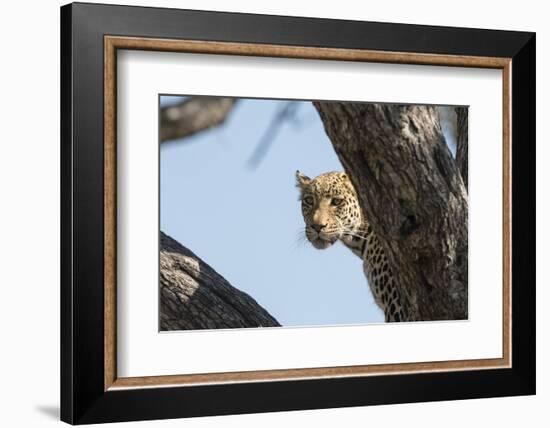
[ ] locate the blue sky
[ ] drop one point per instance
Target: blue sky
(246, 222)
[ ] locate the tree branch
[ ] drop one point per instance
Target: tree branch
(193, 115)
(286, 112)
(411, 192)
(194, 296)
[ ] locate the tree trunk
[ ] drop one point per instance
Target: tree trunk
(195, 296)
(462, 142)
(193, 115)
(412, 192)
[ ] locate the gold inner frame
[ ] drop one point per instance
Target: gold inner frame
(113, 43)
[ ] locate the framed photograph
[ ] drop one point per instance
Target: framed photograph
(266, 213)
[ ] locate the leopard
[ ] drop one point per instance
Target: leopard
(331, 212)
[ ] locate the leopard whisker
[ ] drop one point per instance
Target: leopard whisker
(300, 238)
(352, 233)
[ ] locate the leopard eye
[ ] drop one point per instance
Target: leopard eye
(308, 200)
(337, 201)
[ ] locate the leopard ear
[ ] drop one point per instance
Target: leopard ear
(347, 182)
(302, 180)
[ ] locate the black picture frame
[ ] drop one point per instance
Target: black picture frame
(83, 397)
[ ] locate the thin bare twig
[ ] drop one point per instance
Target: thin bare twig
(286, 112)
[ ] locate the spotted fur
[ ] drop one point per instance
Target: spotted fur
(331, 212)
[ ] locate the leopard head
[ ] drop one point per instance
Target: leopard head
(330, 208)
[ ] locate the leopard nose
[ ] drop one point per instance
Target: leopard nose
(318, 227)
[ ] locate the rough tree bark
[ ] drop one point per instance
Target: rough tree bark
(462, 142)
(193, 115)
(412, 192)
(195, 296)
